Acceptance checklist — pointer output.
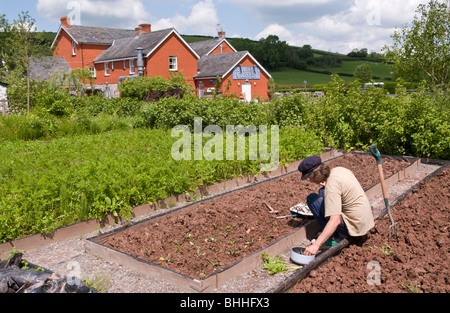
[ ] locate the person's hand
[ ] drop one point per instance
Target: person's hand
(311, 250)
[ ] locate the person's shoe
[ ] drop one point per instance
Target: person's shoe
(330, 243)
(334, 240)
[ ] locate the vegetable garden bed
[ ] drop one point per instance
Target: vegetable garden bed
(416, 261)
(203, 244)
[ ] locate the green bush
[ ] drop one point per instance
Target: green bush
(414, 124)
(140, 87)
(97, 105)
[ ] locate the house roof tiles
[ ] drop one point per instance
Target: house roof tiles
(126, 47)
(206, 46)
(218, 64)
(43, 67)
(98, 35)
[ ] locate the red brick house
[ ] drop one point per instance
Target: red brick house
(113, 54)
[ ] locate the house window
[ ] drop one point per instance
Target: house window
(93, 71)
(74, 48)
(132, 69)
(106, 68)
(124, 65)
(112, 66)
(173, 64)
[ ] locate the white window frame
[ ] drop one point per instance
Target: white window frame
(132, 67)
(124, 64)
(93, 71)
(74, 48)
(173, 63)
(112, 66)
(106, 68)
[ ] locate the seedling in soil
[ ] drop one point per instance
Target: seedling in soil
(411, 288)
(233, 252)
(248, 243)
(167, 259)
(214, 263)
(386, 249)
(179, 247)
(200, 254)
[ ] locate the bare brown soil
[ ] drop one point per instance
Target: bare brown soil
(416, 261)
(219, 231)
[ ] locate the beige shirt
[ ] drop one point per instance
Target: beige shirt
(345, 196)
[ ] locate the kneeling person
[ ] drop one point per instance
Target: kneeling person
(341, 206)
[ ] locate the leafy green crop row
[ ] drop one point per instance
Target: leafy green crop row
(48, 184)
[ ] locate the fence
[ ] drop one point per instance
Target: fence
(4, 107)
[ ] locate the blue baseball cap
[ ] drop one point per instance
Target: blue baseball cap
(308, 165)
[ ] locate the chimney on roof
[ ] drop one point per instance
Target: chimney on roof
(65, 21)
(147, 27)
(221, 34)
(143, 28)
(139, 30)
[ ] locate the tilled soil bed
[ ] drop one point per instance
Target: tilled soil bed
(219, 231)
(416, 261)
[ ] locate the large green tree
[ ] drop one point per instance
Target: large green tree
(422, 51)
(272, 52)
(19, 41)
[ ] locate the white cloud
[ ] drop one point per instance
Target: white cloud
(278, 30)
(108, 13)
(202, 20)
(360, 24)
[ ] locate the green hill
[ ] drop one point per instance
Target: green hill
(287, 77)
(291, 66)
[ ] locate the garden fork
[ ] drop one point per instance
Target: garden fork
(393, 229)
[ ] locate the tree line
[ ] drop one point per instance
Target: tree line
(275, 54)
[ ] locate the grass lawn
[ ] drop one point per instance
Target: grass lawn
(378, 69)
(292, 77)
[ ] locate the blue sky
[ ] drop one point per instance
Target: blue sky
(331, 25)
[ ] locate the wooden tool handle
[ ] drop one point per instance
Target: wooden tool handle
(383, 186)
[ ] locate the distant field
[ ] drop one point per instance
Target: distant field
(289, 76)
(378, 69)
